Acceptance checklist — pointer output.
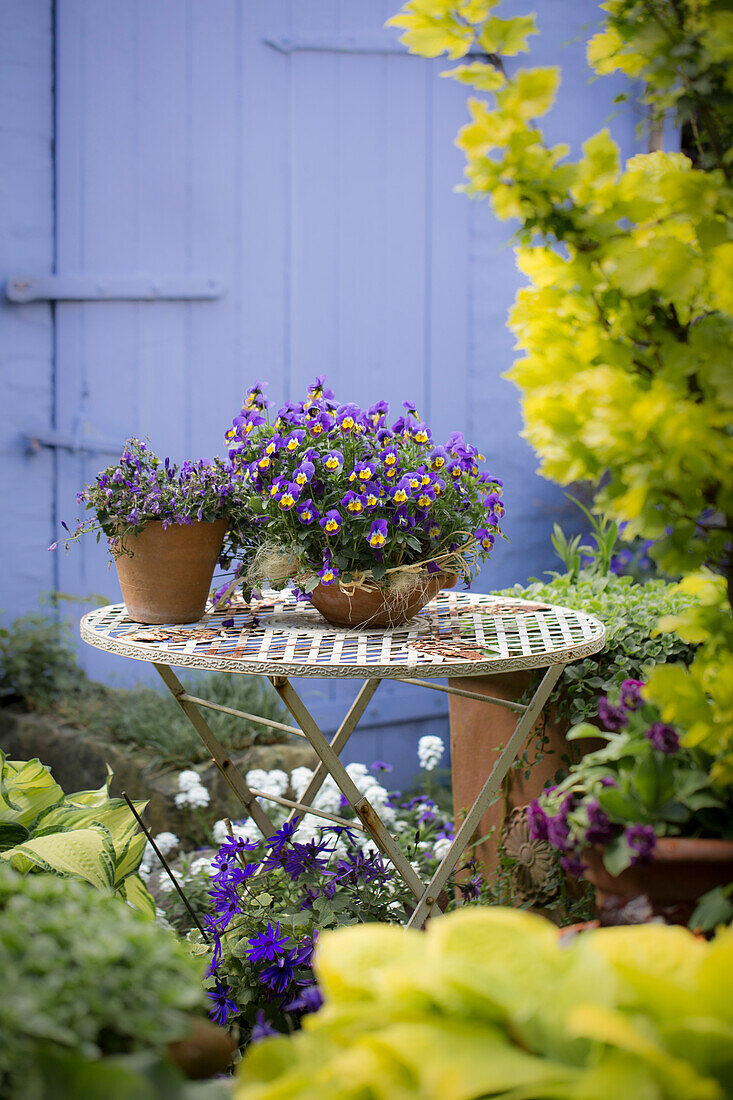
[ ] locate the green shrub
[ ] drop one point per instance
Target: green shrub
(37, 663)
(84, 975)
(630, 613)
(39, 669)
(150, 719)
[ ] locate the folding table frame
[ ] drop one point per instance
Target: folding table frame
(457, 635)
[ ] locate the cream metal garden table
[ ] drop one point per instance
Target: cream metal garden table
(457, 635)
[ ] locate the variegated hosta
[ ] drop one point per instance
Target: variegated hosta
(85, 835)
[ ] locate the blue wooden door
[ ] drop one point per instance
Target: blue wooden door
(291, 154)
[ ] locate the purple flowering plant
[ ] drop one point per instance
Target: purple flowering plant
(142, 488)
(346, 493)
(643, 784)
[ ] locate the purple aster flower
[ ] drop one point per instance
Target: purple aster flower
(631, 694)
(269, 944)
(642, 840)
(225, 903)
(262, 1029)
(613, 718)
(279, 976)
(223, 1005)
(471, 890)
(300, 859)
(380, 766)
(537, 820)
(308, 999)
(283, 835)
(378, 534)
(663, 737)
(332, 522)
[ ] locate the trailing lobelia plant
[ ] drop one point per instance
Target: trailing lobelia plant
(341, 496)
(642, 785)
(141, 489)
(85, 835)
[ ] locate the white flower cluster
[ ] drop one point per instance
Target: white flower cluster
(167, 843)
(430, 751)
(441, 847)
(191, 791)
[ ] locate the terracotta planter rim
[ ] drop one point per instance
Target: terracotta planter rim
(682, 849)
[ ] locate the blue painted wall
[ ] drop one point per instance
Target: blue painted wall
(294, 151)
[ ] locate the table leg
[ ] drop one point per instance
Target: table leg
(489, 790)
(358, 802)
(219, 755)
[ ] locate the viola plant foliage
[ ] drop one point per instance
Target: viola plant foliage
(141, 489)
(342, 496)
(86, 835)
(642, 785)
(490, 1002)
(626, 324)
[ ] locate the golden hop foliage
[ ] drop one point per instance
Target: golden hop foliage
(489, 1002)
(626, 324)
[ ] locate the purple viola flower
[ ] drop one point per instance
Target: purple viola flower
(402, 519)
(537, 820)
(484, 538)
(333, 461)
(378, 534)
(422, 434)
(558, 829)
(319, 390)
(402, 491)
(332, 522)
(347, 417)
(353, 502)
(631, 694)
(613, 718)
(288, 497)
(642, 840)
(663, 737)
(328, 574)
(323, 422)
(303, 473)
(223, 1005)
(371, 495)
(363, 472)
(133, 517)
(306, 512)
(425, 498)
(600, 830)
(438, 458)
(294, 440)
(269, 944)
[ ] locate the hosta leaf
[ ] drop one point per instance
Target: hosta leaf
(84, 853)
(134, 890)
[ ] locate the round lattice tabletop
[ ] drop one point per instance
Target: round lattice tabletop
(457, 634)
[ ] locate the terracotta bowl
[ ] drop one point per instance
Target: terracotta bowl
(374, 606)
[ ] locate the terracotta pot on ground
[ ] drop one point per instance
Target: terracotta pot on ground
(206, 1050)
(168, 577)
(682, 870)
(374, 606)
(479, 730)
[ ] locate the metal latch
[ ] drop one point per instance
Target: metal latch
(104, 288)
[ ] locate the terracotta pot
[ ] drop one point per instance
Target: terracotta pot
(682, 870)
(478, 730)
(168, 577)
(206, 1050)
(374, 606)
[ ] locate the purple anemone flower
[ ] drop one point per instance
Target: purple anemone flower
(664, 738)
(642, 840)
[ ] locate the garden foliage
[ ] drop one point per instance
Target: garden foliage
(86, 835)
(630, 613)
(85, 976)
(490, 1002)
(626, 324)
